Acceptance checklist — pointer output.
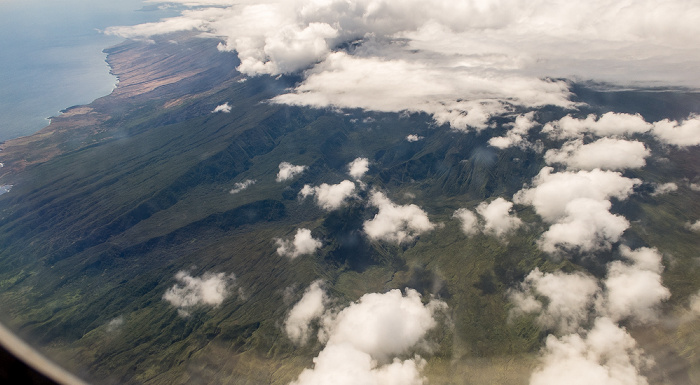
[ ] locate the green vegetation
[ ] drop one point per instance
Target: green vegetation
(99, 232)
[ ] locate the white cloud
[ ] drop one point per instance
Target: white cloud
(396, 223)
(358, 167)
(695, 186)
(577, 205)
(694, 226)
(552, 192)
(345, 365)
(391, 324)
(605, 153)
(413, 138)
(607, 355)
(289, 171)
(311, 307)
(240, 186)
(570, 298)
(586, 226)
(665, 188)
(330, 197)
(469, 221)
(516, 135)
(303, 243)
(485, 41)
(225, 108)
(684, 133)
(609, 124)
(634, 290)
(115, 324)
(694, 304)
(210, 289)
(681, 134)
(631, 290)
(497, 216)
(455, 96)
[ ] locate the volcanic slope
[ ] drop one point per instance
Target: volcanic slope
(114, 199)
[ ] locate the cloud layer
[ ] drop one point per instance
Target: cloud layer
(461, 61)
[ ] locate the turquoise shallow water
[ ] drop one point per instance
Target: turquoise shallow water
(51, 56)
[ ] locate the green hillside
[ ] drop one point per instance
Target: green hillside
(104, 212)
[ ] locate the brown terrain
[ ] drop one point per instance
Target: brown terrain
(146, 73)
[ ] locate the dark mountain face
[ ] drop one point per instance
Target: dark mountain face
(113, 199)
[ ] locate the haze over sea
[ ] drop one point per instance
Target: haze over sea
(51, 56)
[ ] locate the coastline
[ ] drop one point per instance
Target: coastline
(144, 73)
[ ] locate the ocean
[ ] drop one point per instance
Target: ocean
(51, 56)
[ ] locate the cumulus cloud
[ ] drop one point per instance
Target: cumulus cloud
(225, 108)
(240, 186)
(665, 188)
(345, 365)
(608, 124)
(498, 217)
(570, 298)
(469, 221)
(684, 133)
(694, 304)
(311, 307)
(396, 223)
(517, 134)
(413, 138)
(495, 218)
(330, 197)
(391, 325)
(358, 167)
(678, 133)
(606, 355)
(577, 205)
(586, 226)
(605, 153)
(210, 289)
(694, 226)
(552, 192)
(289, 171)
(633, 288)
(303, 243)
(115, 324)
